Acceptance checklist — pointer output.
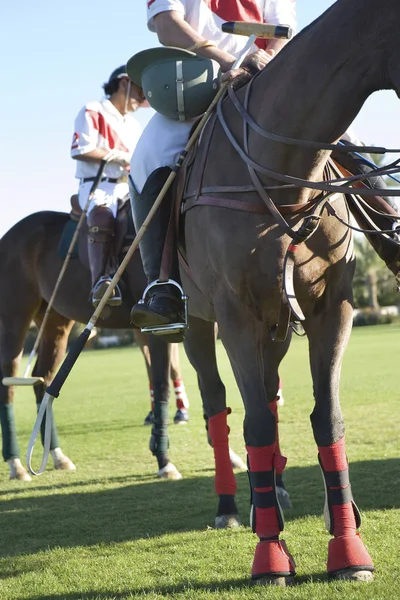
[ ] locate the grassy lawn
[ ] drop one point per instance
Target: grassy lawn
(110, 530)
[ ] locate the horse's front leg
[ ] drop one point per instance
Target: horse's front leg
(244, 340)
(160, 353)
(328, 335)
(273, 355)
(200, 349)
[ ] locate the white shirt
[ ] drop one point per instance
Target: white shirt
(101, 125)
(207, 16)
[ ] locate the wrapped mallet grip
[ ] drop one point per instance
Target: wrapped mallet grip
(260, 30)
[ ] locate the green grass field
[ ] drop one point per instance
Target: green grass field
(110, 530)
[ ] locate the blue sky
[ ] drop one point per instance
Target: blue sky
(56, 55)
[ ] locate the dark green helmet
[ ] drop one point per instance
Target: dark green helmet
(177, 83)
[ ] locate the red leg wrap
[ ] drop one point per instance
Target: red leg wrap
(272, 558)
(151, 397)
(218, 430)
(333, 458)
(262, 459)
(344, 520)
(348, 552)
(181, 398)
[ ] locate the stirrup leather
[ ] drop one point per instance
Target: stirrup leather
(171, 327)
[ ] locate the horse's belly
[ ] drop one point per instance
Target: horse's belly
(242, 255)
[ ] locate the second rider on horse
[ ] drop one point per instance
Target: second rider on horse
(105, 129)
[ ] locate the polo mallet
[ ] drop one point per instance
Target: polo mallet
(26, 379)
(53, 390)
(259, 30)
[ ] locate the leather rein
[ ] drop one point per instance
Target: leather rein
(331, 190)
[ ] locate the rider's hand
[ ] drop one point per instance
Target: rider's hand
(253, 63)
(120, 157)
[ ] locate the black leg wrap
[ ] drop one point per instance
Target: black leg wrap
(159, 442)
(226, 505)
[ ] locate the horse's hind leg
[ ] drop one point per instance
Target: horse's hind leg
(51, 351)
(328, 335)
(244, 338)
(142, 341)
(182, 402)
(200, 349)
(15, 319)
(160, 353)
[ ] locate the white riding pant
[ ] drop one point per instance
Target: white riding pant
(106, 194)
(160, 145)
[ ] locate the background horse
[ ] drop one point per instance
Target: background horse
(29, 267)
(235, 262)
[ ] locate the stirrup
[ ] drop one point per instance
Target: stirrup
(115, 300)
(171, 328)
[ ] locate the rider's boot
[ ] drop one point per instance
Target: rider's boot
(387, 249)
(101, 223)
(163, 304)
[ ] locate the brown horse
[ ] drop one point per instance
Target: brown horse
(235, 254)
(29, 267)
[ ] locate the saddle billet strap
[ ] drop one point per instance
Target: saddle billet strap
(205, 148)
(251, 207)
(167, 254)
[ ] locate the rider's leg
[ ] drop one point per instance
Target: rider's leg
(101, 224)
(164, 305)
(160, 144)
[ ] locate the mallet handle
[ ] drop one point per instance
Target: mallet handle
(260, 30)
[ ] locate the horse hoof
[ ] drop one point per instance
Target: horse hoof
(352, 575)
(17, 471)
(227, 521)
(236, 461)
(181, 416)
(64, 464)
(283, 498)
(277, 580)
(149, 420)
(169, 472)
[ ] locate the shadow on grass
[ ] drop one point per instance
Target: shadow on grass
(68, 518)
(233, 585)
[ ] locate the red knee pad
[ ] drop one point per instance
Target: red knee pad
(272, 558)
(346, 552)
